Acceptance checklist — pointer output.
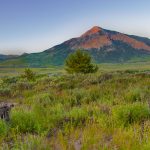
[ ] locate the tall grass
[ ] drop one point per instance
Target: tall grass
(96, 111)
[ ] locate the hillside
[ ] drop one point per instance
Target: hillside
(7, 57)
(105, 46)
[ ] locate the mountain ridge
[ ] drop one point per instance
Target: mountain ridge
(105, 46)
(4, 57)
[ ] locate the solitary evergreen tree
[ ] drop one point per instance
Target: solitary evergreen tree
(80, 62)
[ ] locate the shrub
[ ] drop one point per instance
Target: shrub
(9, 80)
(94, 94)
(129, 114)
(29, 74)
(78, 116)
(24, 121)
(56, 113)
(46, 99)
(1, 82)
(133, 95)
(23, 85)
(29, 142)
(76, 97)
(104, 77)
(146, 146)
(3, 128)
(5, 92)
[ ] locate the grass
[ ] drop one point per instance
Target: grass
(17, 71)
(60, 111)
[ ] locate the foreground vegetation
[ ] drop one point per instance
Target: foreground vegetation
(106, 110)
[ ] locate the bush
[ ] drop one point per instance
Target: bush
(3, 128)
(133, 95)
(9, 80)
(46, 99)
(129, 114)
(77, 97)
(29, 142)
(24, 121)
(94, 94)
(104, 77)
(5, 92)
(29, 74)
(23, 86)
(78, 116)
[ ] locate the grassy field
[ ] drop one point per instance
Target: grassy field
(141, 67)
(17, 71)
(103, 111)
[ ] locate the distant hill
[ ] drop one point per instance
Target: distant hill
(105, 46)
(6, 57)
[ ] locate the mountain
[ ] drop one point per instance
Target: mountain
(105, 46)
(6, 57)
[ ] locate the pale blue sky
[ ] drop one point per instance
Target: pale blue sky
(35, 25)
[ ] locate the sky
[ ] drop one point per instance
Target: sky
(36, 25)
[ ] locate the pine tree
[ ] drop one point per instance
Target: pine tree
(80, 62)
(29, 74)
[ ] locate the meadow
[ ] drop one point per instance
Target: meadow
(107, 110)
